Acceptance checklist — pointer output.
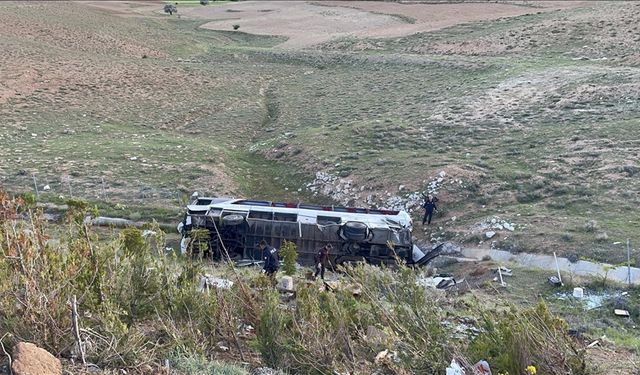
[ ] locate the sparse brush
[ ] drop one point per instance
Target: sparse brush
(591, 226)
(515, 339)
(134, 305)
(602, 236)
(326, 331)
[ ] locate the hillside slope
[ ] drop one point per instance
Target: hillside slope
(533, 119)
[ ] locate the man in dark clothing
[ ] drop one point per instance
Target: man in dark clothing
(321, 260)
(271, 261)
(429, 206)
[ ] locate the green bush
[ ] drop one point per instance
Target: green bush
(290, 255)
(132, 242)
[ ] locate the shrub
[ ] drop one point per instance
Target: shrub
(289, 255)
(325, 331)
(602, 236)
(170, 8)
(134, 307)
(528, 197)
(567, 237)
(132, 242)
(516, 339)
(135, 216)
(590, 226)
(193, 363)
(29, 200)
(236, 27)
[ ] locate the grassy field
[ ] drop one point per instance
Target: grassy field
(536, 115)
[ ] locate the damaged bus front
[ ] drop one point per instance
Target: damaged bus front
(356, 234)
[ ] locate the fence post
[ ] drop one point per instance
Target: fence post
(35, 184)
(628, 262)
(104, 193)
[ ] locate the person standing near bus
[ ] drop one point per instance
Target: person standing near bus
(271, 261)
(429, 206)
(321, 260)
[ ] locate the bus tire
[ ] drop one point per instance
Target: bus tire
(355, 231)
(232, 220)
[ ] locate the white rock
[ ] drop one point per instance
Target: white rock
(509, 227)
(493, 221)
(46, 188)
(440, 179)
(401, 187)
(133, 158)
(454, 218)
(286, 283)
(442, 174)
(490, 234)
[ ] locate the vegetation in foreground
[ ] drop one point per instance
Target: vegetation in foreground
(141, 306)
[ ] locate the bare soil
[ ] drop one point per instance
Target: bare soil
(308, 23)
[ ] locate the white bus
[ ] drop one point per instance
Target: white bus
(356, 234)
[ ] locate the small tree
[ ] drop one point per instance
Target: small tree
(236, 27)
(289, 255)
(132, 242)
(170, 8)
(204, 2)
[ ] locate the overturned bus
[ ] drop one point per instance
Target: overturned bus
(356, 234)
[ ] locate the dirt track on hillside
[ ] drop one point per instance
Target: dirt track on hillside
(323, 21)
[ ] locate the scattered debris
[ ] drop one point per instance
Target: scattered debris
(553, 280)
(248, 263)
(482, 368)
(440, 281)
(504, 271)
(221, 346)
(454, 368)
(463, 328)
(597, 342)
(502, 283)
(620, 312)
(207, 282)
(595, 300)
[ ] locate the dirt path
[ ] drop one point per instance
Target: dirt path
(310, 23)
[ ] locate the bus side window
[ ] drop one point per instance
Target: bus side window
(281, 216)
(328, 220)
(260, 215)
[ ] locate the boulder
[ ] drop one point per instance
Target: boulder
(490, 234)
(28, 359)
(286, 283)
